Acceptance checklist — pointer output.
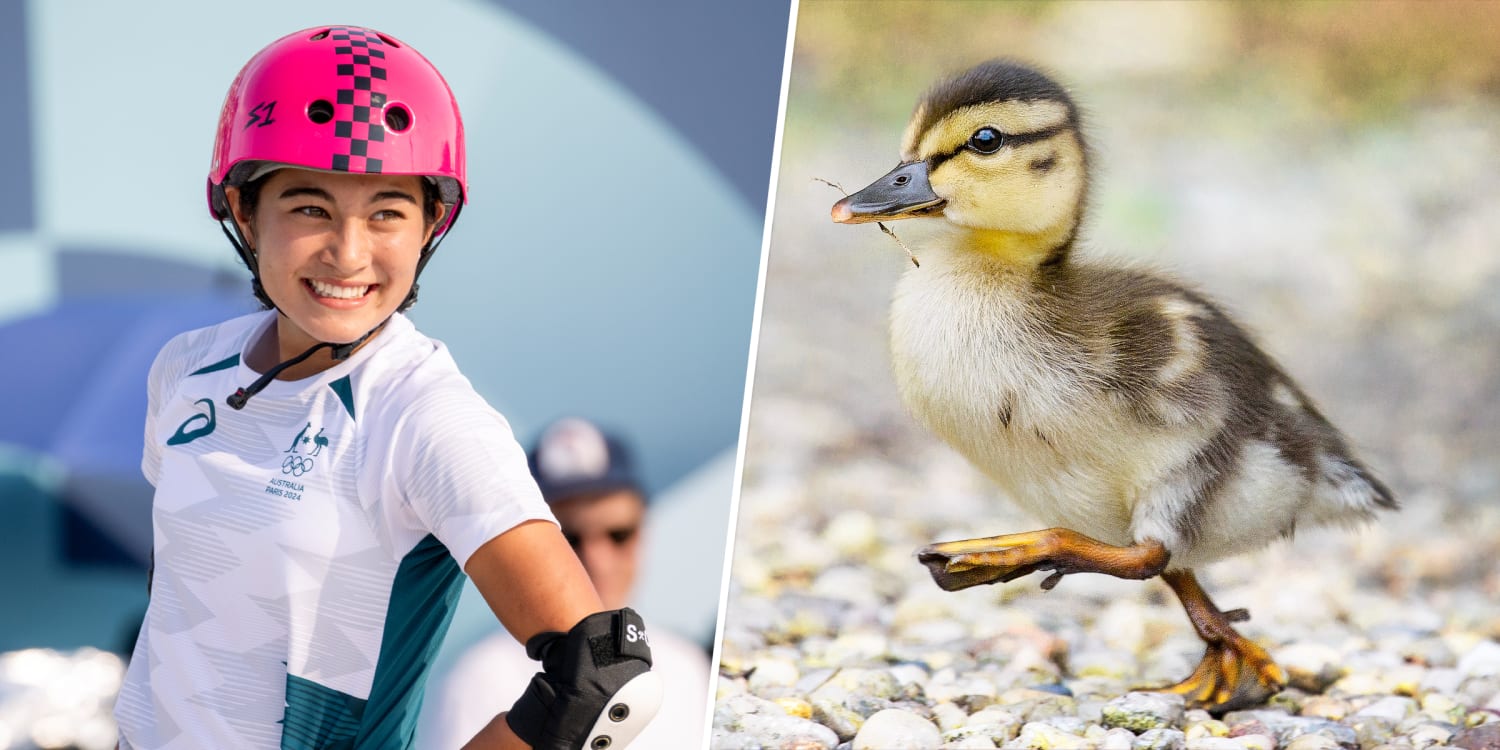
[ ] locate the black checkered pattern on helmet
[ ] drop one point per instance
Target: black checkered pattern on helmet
(360, 103)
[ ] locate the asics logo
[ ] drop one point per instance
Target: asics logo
(196, 426)
(296, 465)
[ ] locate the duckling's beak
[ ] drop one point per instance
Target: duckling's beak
(903, 193)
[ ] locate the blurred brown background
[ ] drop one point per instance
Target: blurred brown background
(1328, 171)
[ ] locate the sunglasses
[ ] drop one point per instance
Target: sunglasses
(620, 536)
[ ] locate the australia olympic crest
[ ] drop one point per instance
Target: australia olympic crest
(300, 458)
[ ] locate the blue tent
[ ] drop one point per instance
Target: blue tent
(74, 391)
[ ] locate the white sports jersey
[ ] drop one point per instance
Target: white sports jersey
(309, 548)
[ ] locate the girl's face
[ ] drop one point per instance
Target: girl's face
(337, 252)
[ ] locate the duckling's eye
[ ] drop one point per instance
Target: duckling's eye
(986, 140)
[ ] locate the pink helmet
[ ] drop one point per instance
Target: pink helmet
(345, 99)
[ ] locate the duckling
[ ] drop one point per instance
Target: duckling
(1121, 407)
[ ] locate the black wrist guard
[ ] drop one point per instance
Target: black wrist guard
(595, 690)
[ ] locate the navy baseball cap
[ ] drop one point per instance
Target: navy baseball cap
(574, 457)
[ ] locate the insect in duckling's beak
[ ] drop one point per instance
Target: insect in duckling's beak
(904, 193)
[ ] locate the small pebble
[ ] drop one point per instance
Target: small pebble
(1141, 711)
(771, 673)
(1209, 728)
(1311, 666)
(1069, 724)
(1312, 742)
(1431, 733)
(1372, 730)
(1118, 739)
(1485, 737)
(1444, 681)
(1161, 739)
(998, 722)
(1257, 741)
(1393, 709)
(949, 716)
(723, 739)
(865, 705)
(1326, 707)
(852, 532)
(1440, 707)
(897, 729)
(1249, 727)
(876, 683)
(1481, 661)
(1039, 736)
(975, 742)
(1214, 743)
(786, 731)
(855, 649)
(844, 721)
(795, 706)
(1288, 727)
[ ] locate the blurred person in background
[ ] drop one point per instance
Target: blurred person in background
(324, 473)
(590, 481)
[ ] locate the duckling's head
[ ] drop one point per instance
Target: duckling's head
(996, 150)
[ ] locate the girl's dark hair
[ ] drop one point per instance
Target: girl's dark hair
(431, 198)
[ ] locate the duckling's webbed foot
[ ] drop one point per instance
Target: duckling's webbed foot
(1234, 673)
(971, 562)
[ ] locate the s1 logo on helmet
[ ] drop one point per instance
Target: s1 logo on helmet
(255, 115)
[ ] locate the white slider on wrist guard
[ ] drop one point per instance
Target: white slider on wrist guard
(629, 711)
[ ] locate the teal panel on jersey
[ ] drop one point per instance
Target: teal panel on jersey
(223, 364)
(345, 389)
(318, 717)
(423, 597)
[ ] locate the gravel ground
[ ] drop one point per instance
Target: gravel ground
(836, 637)
(1365, 258)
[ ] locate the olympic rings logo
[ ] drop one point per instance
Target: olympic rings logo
(296, 465)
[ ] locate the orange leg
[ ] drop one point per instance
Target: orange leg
(970, 562)
(1234, 673)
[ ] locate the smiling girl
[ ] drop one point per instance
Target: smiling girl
(311, 539)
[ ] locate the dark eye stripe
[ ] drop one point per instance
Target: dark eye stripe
(1008, 139)
(1022, 139)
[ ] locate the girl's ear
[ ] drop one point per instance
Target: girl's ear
(232, 197)
(437, 221)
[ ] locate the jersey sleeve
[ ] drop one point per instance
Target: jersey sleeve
(164, 369)
(461, 471)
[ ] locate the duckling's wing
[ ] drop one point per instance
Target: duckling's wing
(1178, 362)
(1267, 404)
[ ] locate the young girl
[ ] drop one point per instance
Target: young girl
(324, 473)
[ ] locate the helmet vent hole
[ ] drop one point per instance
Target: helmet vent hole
(318, 37)
(390, 41)
(320, 111)
(397, 118)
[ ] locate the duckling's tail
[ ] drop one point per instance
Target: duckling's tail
(1347, 491)
(1383, 496)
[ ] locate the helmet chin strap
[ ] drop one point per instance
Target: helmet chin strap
(340, 352)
